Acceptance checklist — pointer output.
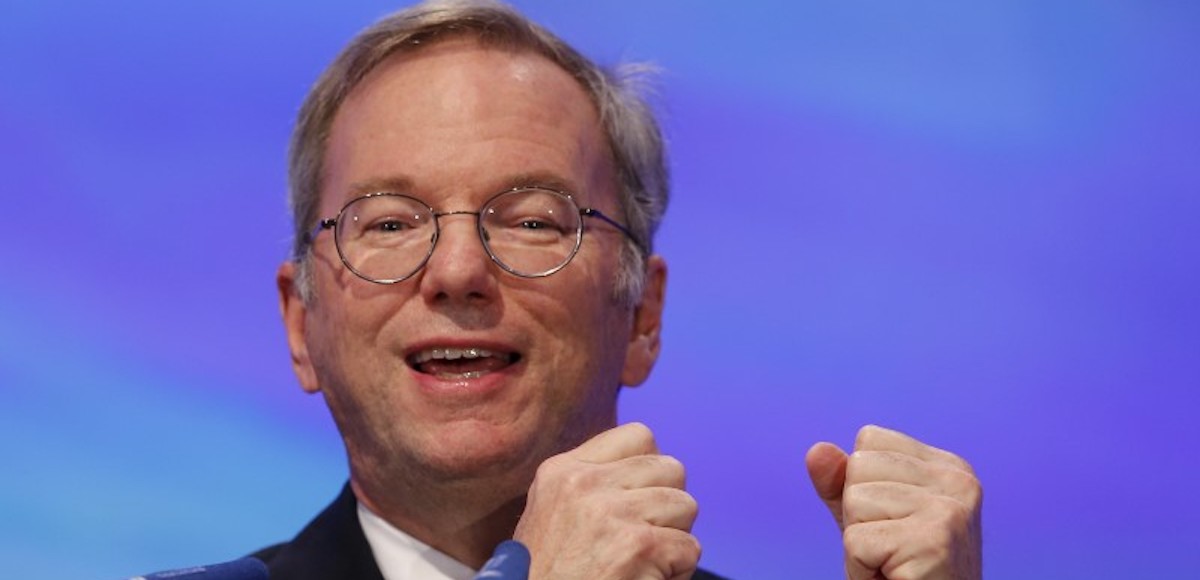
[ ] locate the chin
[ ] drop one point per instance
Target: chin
(472, 452)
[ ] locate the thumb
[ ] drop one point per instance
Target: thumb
(826, 465)
(617, 443)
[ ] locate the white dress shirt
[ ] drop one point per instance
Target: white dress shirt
(403, 557)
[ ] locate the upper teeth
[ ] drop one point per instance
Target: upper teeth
(451, 354)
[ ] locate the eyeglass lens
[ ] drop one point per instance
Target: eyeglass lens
(389, 237)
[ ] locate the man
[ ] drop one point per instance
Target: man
(473, 282)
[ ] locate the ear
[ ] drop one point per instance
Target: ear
(295, 313)
(644, 339)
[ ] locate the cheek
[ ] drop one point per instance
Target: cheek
(353, 367)
(585, 332)
(571, 308)
(347, 323)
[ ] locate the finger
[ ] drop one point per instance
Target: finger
(876, 501)
(869, 547)
(619, 442)
(866, 466)
(892, 466)
(906, 549)
(876, 438)
(647, 471)
(675, 552)
(661, 506)
(826, 464)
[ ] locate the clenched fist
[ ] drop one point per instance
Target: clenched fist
(612, 508)
(906, 510)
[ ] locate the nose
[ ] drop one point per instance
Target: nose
(459, 271)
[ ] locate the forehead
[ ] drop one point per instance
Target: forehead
(459, 115)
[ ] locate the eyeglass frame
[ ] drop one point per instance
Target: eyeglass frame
(331, 223)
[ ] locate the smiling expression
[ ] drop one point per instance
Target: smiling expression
(464, 370)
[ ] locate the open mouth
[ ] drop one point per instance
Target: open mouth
(460, 363)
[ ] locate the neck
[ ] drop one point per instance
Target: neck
(462, 519)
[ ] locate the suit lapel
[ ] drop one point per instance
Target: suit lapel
(331, 546)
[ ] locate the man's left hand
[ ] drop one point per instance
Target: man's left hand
(906, 509)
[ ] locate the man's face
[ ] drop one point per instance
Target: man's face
(453, 124)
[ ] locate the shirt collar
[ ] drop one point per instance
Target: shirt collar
(403, 557)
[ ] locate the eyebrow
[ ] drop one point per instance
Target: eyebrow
(390, 184)
(544, 179)
(404, 184)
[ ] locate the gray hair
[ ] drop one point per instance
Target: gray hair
(633, 134)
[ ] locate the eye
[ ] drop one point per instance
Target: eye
(533, 224)
(540, 225)
(530, 217)
(390, 225)
(390, 230)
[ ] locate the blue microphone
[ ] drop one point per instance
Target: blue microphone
(243, 569)
(510, 561)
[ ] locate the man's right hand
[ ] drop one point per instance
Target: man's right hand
(612, 508)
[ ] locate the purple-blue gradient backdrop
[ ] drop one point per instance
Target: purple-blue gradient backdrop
(975, 222)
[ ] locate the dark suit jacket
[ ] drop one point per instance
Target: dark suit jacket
(333, 547)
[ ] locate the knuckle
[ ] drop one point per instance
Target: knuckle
(577, 479)
(974, 495)
(856, 539)
(963, 485)
(642, 541)
(673, 552)
(949, 515)
(682, 501)
(960, 463)
(855, 464)
(547, 471)
(553, 464)
(674, 468)
(856, 534)
(671, 462)
(854, 493)
(640, 431)
(690, 503)
(697, 547)
(936, 545)
(868, 436)
(906, 573)
(570, 477)
(691, 549)
(852, 504)
(595, 510)
(672, 496)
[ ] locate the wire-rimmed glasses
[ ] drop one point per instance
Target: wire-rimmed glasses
(529, 232)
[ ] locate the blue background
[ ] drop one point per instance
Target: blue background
(975, 222)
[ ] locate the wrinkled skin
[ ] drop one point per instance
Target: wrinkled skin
(906, 510)
(450, 460)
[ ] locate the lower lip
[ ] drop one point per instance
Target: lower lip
(464, 387)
